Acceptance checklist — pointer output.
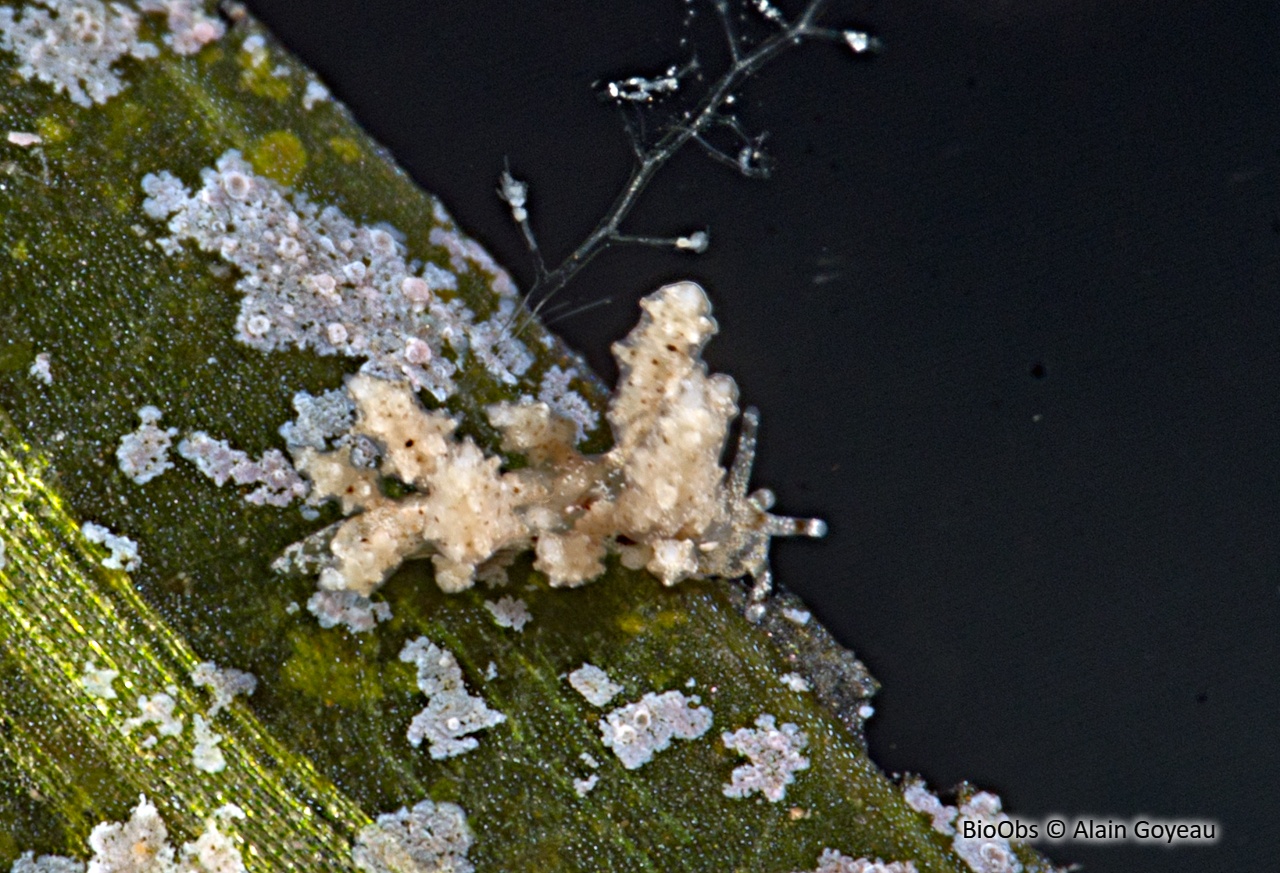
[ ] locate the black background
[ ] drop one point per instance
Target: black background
(1009, 307)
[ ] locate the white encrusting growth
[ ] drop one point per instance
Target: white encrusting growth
(40, 367)
(124, 551)
(583, 786)
(832, 861)
(315, 93)
(225, 683)
(799, 617)
(353, 611)
(451, 714)
(213, 851)
(509, 612)
(255, 47)
(74, 45)
(141, 845)
(321, 418)
(27, 862)
(312, 278)
(430, 838)
(143, 454)
(278, 483)
(189, 28)
(775, 758)
(594, 684)
(636, 731)
(921, 799)
(567, 403)
(157, 710)
(206, 755)
(659, 498)
(795, 681)
(498, 349)
(97, 682)
(984, 854)
(463, 254)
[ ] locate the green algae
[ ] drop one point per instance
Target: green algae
(279, 155)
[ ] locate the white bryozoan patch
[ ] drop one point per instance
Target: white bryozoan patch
(97, 682)
(143, 454)
(430, 838)
(775, 758)
(509, 612)
(451, 714)
(124, 551)
(832, 861)
(594, 684)
(636, 731)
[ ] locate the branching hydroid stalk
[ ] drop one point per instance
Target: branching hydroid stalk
(708, 114)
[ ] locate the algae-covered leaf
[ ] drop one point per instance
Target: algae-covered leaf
(196, 247)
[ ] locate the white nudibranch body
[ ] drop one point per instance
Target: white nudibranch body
(659, 497)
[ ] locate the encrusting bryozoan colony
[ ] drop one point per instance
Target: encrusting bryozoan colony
(509, 612)
(41, 368)
(983, 854)
(635, 731)
(594, 684)
(124, 551)
(774, 753)
(429, 837)
(451, 714)
(832, 861)
(141, 845)
(144, 454)
(74, 45)
(98, 682)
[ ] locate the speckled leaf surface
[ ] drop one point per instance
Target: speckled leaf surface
(320, 748)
